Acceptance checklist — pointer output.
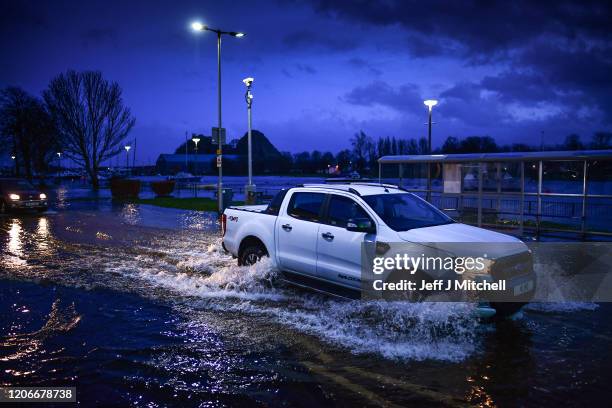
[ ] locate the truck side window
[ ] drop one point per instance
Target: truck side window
(342, 208)
(306, 206)
(277, 201)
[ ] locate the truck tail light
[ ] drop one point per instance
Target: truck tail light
(223, 224)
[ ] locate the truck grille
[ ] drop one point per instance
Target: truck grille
(512, 266)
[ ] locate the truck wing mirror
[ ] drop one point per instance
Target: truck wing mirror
(361, 225)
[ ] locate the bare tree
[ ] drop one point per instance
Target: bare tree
(26, 131)
(90, 116)
(362, 145)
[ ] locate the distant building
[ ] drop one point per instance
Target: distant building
(168, 164)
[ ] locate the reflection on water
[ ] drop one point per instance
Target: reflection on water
(43, 235)
(61, 197)
(26, 349)
(15, 255)
(131, 213)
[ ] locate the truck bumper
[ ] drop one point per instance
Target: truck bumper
(27, 205)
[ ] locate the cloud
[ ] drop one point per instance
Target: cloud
(311, 39)
(306, 68)
(360, 63)
(405, 98)
(480, 29)
(546, 55)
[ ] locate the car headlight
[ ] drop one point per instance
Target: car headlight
(14, 197)
(43, 196)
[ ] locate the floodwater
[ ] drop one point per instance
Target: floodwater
(138, 305)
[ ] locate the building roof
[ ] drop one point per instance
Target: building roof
(191, 158)
(499, 157)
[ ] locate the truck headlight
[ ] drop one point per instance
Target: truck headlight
(488, 266)
(43, 196)
(14, 197)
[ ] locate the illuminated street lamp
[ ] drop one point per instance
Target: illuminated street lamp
(59, 163)
(127, 156)
(199, 27)
(430, 103)
(248, 97)
(195, 141)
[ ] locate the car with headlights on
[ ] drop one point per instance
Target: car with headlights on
(20, 194)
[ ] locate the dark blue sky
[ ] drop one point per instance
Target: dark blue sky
(325, 70)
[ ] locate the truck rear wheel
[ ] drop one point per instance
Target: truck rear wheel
(251, 255)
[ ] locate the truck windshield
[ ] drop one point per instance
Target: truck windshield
(403, 212)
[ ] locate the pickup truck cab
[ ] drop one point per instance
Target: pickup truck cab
(313, 233)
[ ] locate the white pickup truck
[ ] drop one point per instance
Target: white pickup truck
(313, 233)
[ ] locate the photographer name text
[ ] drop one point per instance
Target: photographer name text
(440, 285)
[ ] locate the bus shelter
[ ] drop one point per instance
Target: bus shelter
(551, 191)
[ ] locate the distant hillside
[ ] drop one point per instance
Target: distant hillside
(262, 147)
(266, 157)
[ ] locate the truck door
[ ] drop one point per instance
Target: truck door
(339, 250)
(297, 229)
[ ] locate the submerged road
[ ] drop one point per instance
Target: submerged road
(138, 305)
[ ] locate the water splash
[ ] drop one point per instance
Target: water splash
(395, 330)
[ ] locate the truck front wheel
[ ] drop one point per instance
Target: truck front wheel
(251, 255)
(506, 309)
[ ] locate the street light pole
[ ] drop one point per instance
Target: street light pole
(219, 127)
(430, 103)
(250, 188)
(197, 26)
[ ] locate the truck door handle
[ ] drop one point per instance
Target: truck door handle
(287, 227)
(328, 235)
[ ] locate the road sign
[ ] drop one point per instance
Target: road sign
(219, 161)
(215, 135)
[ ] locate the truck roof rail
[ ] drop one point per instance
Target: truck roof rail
(384, 185)
(344, 180)
(348, 189)
(363, 182)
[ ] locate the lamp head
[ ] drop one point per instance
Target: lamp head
(248, 81)
(430, 103)
(127, 148)
(195, 139)
(238, 35)
(197, 26)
